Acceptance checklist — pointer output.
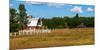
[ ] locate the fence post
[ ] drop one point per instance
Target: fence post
(15, 34)
(19, 33)
(10, 34)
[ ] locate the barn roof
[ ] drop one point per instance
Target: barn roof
(33, 22)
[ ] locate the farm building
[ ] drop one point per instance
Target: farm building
(34, 23)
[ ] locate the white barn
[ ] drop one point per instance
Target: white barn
(34, 23)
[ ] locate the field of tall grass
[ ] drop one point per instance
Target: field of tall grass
(57, 37)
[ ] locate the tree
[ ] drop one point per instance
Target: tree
(76, 16)
(14, 25)
(18, 20)
(74, 22)
(22, 16)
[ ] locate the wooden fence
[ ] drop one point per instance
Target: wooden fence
(30, 32)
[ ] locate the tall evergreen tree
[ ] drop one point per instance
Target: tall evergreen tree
(76, 16)
(22, 15)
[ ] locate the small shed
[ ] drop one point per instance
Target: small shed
(82, 25)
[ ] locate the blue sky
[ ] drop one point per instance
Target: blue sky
(49, 10)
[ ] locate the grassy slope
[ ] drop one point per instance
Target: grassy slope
(61, 37)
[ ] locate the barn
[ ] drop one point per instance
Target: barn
(34, 23)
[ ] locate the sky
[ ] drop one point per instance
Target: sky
(49, 10)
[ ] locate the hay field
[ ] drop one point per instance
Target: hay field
(57, 37)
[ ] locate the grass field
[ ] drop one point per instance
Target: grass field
(58, 37)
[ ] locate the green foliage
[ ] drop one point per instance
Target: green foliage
(55, 22)
(76, 16)
(18, 20)
(22, 15)
(67, 22)
(13, 20)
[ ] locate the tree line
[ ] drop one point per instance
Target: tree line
(69, 22)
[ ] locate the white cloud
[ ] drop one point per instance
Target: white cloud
(77, 9)
(56, 4)
(90, 9)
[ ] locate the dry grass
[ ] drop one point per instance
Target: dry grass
(58, 37)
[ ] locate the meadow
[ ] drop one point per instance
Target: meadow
(57, 37)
